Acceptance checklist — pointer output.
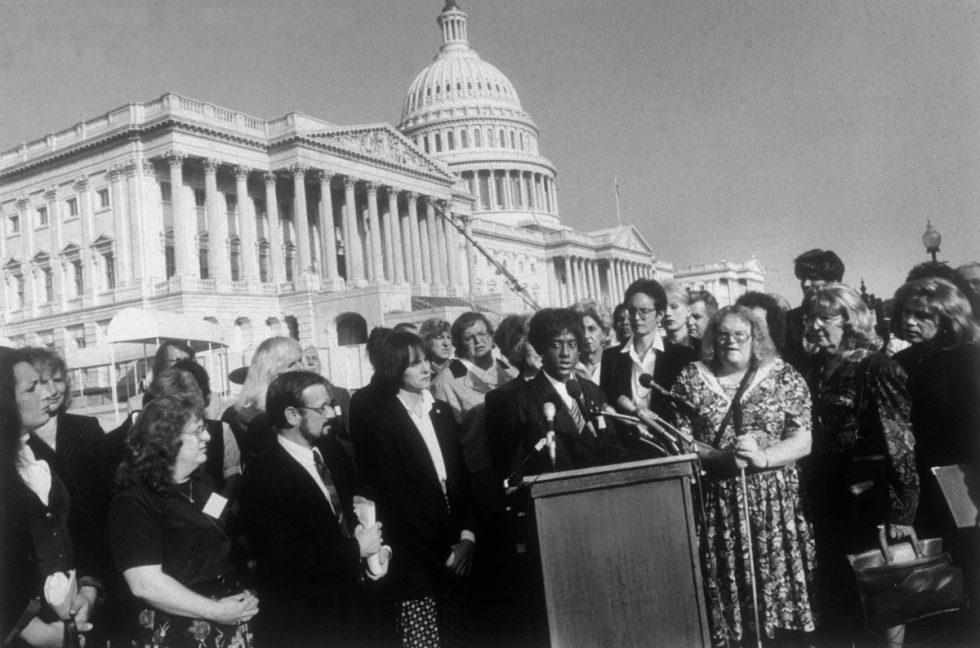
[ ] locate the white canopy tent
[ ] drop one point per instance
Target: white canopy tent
(145, 326)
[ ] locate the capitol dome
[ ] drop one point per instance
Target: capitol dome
(465, 112)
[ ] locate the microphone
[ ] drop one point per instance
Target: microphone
(549, 410)
(647, 381)
(591, 414)
(672, 435)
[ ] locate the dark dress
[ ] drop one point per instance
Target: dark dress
(861, 410)
(170, 529)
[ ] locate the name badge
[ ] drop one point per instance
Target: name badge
(215, 506)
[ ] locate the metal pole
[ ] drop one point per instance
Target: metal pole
(743, 482)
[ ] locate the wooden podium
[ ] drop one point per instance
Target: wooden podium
(619, 556)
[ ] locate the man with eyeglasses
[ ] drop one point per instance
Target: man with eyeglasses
(297, 508)
(644, 353)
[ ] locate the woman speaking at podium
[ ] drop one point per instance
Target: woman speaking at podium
(752, 417)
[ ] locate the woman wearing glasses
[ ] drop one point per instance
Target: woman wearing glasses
(751, 411)
(862, 469)
(166, 538)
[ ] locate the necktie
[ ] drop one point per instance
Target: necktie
(324, 472)
(576, 413)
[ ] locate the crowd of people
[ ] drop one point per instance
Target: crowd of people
(394, 516)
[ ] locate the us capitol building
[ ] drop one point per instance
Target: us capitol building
(297, 225)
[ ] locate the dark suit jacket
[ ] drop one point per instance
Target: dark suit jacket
(420, 523)
(307, 565)
(523, 423)
(616, 377)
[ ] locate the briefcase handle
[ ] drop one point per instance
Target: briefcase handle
(886, 550)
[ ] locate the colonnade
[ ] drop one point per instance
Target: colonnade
(510, 189)
(604, 280)
(360, 233)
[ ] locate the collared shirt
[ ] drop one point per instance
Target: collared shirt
(304, 457)
(35, 472)
(570, 403)
(593, 375)
(424, 425)
(642, 364)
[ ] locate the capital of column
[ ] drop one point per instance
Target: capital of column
(269, 178)
(81, 183)
(115, 171)
(23, 201)
(241, 172)
(51, 193)
(175, 158)
(148, 166)
(349, 183)
(390, 192)
(322, 175)
(211, 166)
(297, 170)
(372, 188)
(412, 195)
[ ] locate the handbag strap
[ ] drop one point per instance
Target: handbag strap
(734, 413)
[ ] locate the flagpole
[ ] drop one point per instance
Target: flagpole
(619, 216)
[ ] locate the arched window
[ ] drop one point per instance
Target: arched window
(351, 329)
(477, 138)
(502, 140)
(521, 138)
(450, 141)
(490, 137)
(425, 141)
(438, 143)
(513, 141)
(462, 139)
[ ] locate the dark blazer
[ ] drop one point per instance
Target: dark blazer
(307, 565)
(616, 377)
(523, 423)
(420, 523)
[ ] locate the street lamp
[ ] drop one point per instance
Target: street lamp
(931, 239)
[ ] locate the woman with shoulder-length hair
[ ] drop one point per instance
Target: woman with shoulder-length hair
(37, 559)
(166, 538)
(246, 415)
(751, 410)
(598, 325)
(862, 471)
(412, 464)
(943, 365)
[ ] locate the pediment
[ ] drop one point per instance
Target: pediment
(41, 258)
(13, 265)
(103, 240)
(71, 249)
(382, 142)
(624, 237)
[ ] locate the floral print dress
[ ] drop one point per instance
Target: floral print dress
(776, 401)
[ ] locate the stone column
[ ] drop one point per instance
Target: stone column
(277, 256)
(138, 219)
(376, 267)
(246, 218)
(394, 222)
(301, 223)
(437, 259)
(85, 198)
(387, 235)
(352, 243)
(596, 281)
(426, 251)
(184, 221)
(492, 189)
(56, 245)
(452, 255)
(120, 226)
(554, 197)
(406, 231)
(220, 263)
(420, 276)
(328, 235)
(522, 189)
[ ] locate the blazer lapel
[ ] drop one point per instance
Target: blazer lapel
(624, 373)
(409, 434)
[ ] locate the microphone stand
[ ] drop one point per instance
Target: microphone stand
(542, 442)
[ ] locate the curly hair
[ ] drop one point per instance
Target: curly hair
(548, 323)
(154, 441)
(50, 363)
(433, 328)
(859, 321)
(511, 339)
(822, 265)
(763, 350)
(178, 381)
(944, 301)
(595, 310)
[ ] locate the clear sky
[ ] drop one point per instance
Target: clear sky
(736, 128)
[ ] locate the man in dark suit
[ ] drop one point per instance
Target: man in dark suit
(299, 519)
(581, 439)
(644, 353)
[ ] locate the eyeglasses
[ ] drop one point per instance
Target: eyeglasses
(197, 432)
(642, 312)
(319, 410)
(823, 320)
(738, 336)
(473, 338)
